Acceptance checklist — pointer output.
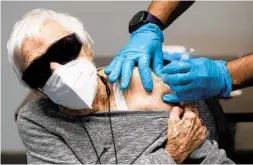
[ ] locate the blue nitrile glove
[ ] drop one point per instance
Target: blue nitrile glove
(196, 79)
(145, 44)
(175, 56)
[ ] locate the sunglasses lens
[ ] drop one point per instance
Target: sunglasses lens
(65, 50)
(37, 74)
(62, 52)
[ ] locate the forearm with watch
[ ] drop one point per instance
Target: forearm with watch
(145, 43)
(160, 13)
(168, 11)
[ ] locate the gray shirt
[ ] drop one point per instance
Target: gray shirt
(140, 137)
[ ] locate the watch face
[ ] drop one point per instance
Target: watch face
(137, 20)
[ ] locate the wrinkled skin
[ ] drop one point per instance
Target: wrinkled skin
(185, 134)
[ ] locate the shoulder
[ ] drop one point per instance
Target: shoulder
(36, 113)
(36, 108)
(43, 114)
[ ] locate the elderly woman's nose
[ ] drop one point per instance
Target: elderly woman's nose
(54, 66)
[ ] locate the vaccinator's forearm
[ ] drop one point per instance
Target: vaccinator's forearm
(168, 11)
(241, 72)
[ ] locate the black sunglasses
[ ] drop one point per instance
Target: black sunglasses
(62, 52)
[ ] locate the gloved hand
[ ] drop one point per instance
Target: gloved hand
(196, 79)
(145, 44)
(175, 56)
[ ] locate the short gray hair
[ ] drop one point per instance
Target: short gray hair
(29, 26)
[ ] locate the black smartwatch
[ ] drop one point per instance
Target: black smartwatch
(142, 18)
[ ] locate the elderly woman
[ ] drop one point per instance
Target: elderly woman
(81, 118)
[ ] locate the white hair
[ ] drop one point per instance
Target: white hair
(29, 26)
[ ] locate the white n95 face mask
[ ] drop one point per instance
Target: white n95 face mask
(73, 85)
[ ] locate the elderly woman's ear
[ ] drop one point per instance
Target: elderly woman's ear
(87, 52)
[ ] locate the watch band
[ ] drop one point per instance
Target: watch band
(153, 19)
(142, 18)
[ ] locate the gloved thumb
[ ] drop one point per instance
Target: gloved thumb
(158, 61)
(176, 56)
(108, 69)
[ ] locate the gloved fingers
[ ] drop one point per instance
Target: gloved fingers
(171, 98)
(175, 113)
(157, 64)
(175, 56)
(182, 88)
(177, 79)
(126, 74)
(110, 67)
(177, 67)
(145, 72)
(116, 71)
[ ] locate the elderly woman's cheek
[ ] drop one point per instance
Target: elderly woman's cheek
(54, 66)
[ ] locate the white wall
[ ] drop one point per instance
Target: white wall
(212, 28)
